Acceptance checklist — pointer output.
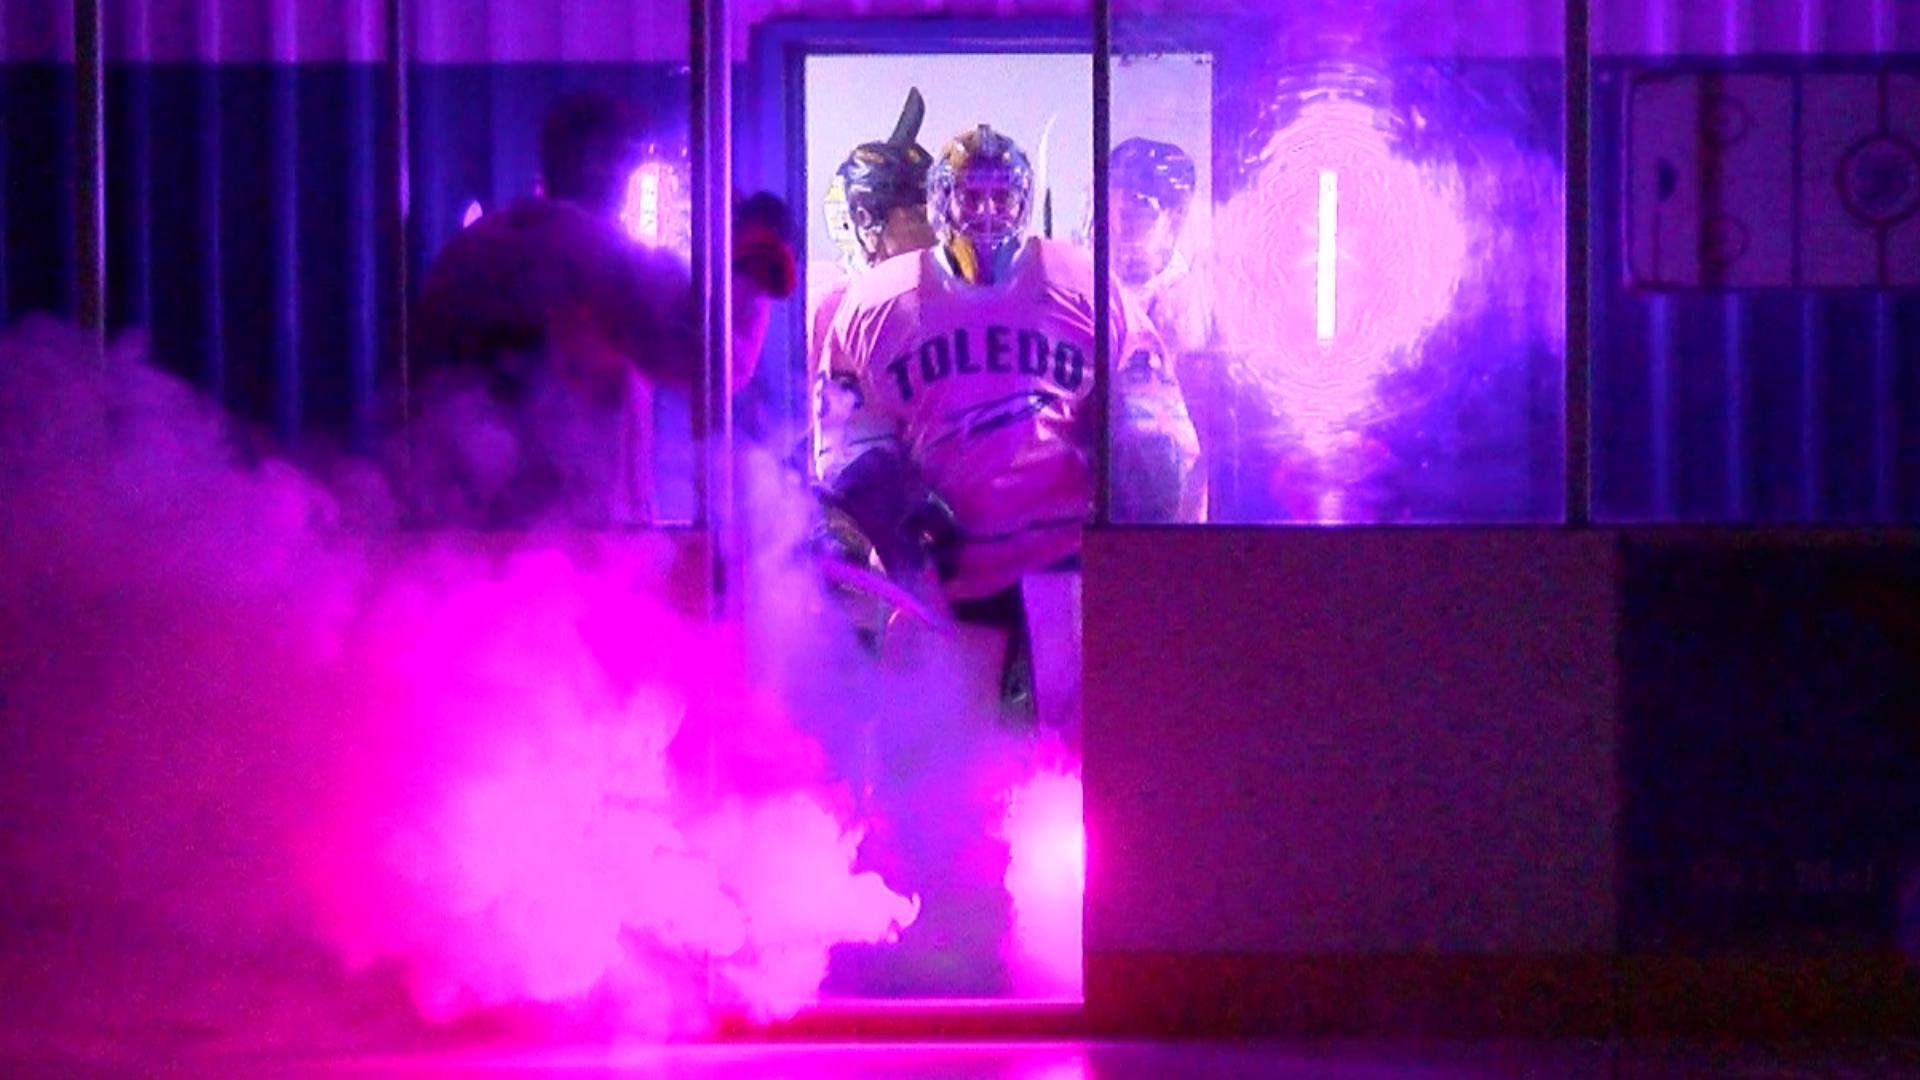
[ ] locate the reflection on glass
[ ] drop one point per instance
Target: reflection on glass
(1369, 327)
(552, 342)
(1323, 367)
(657, 210)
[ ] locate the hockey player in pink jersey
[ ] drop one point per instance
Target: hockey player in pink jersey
(964, 376)
(876, 209)
(970, 368)
(1153, 184)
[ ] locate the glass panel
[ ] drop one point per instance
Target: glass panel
(553, 345)
(1756, 260)
(1349, 241)
(931, 396)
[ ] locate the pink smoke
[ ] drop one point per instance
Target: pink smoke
(1046, 878)
(1325, 290)
(252, 725)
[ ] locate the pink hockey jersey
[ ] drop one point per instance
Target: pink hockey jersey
(985, 389)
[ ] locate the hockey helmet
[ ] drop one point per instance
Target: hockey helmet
(1157, 171)
(980, 198)
(876, 179)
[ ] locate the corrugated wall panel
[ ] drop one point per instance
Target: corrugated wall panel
(36, 157)
(243, 228)
(523, 31)
(37, 31)
(611, 31)
(1658, 28)
(249, 31)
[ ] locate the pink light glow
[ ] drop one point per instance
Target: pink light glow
(534, 821)
(1396, 261)
(1046, 877)
(1073, 1069)
(473, 214)
(641, 215)
(268, 725)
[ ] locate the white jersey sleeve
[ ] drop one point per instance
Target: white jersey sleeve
(1155, 451)
(848, 421)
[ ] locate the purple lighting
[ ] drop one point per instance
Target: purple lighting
(1335, 262)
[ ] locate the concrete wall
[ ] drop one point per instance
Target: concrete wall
(1472, 781)
(1334, 777)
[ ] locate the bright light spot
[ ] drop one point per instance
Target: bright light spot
(1047, 878)
(472, 215)
(641, 210)
(655, 211)
(650, 203)
(1329, 245)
